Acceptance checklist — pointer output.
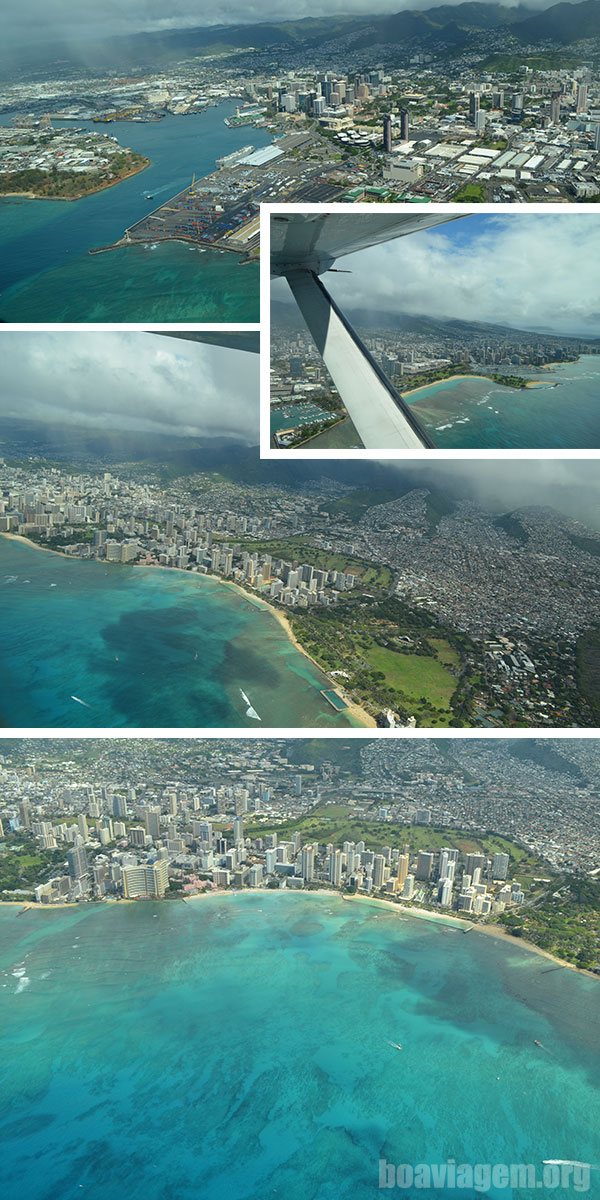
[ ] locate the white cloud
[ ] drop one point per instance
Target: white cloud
(527, 270)
(120, 381)
(70, 20)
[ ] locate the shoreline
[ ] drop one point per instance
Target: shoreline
(489, 930)
(81, 195)
(419, 914)
(354, 709)
(527, 383)
(435, 383)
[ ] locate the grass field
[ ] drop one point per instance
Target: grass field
(299, 549)
(336, 823)
(475, 192)
(425, 682)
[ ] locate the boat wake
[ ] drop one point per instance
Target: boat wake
(78, 701)
(250, 711)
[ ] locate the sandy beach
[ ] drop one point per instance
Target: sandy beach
(18, 537)
(403, 910)
(359, 714)
(495, 931)
(530, 383)
(424, 386)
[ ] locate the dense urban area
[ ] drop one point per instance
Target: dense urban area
(416, 107)
(497, 830)
(424, 608)
(413, 353)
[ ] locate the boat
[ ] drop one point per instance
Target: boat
(395, 1045)
(568, 1162)
(250, 711)
(78, 701)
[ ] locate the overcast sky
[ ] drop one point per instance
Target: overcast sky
(130, 381)
(137, 381)
(531, 271)
(570, 487)
(74, 20)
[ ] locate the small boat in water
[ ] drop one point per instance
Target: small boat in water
(78, 701)
(250, 711)
(396, 1045)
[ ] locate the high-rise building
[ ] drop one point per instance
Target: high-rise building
(25, 813)
(424, 865)
(409, 888)
(335, 867)
(308, 863)
(387, 133)
(582, 98)
(404, 125)
(152, 820)
(148, 881)
(473, 861)
(473, 107)
(378, 870)
(402, 874)
(119, 806)
(555, 108)
(500, 863)
(77, 864)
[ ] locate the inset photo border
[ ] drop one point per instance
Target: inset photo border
(495, 272)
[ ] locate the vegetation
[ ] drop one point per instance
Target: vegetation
(67, 185)
(389, 657)
(513, 527)
(300, 550)
(22, 865)
(337, 823)
(304, 433)
(58, 541)
(512, 381)
(588, 668)
(587, 544)
(473, 193)
(565, 922)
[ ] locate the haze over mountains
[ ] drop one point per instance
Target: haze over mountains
(35, 33)
(570, 488)
(285, 317)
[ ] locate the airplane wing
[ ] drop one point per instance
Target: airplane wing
(313, 242)
(303, 247)
(243, 340)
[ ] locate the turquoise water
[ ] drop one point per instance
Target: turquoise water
(143, 647)
(479, 414)
(47, 274)
(239, 1046)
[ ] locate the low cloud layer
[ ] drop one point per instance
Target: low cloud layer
(130, 381)
(571, 487)
(74, 21)
(529, 271)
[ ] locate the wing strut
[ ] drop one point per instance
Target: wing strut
(382, 419)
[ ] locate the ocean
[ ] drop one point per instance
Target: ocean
(240, 1046)
(563, 413)
(144, 647)
(47, 274)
